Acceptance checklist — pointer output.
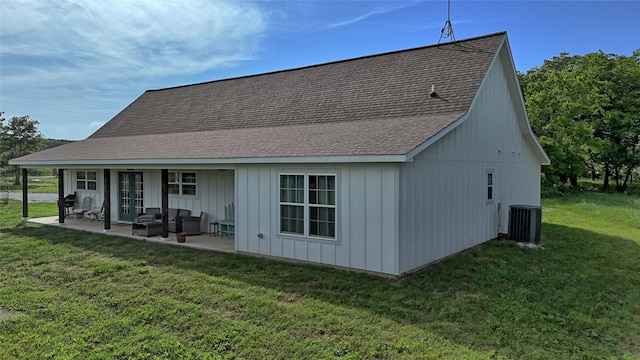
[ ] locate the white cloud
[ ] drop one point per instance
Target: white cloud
(378, 10)
(68, 39)
(94, 57)
(96, 124)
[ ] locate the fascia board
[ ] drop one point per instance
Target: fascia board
(155, 163)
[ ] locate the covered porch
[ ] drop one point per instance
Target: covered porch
(203, 241)
(120, 202)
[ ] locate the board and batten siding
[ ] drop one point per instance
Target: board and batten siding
(366, 216)
(70, 186)
(214, 190)
(443, 191)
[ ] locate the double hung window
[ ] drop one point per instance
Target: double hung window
(490, 185)
(86, 180)
(308, 205)
(182, 183)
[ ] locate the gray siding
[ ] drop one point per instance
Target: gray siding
(443, 191)
(367, 216)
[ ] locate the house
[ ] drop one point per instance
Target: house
(383, 163)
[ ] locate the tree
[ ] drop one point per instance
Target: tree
(586, 112)
(20, 136)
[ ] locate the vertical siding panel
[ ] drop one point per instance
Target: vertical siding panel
(314, 251)
(263, 208)
(373, 218)
(406, 224)
(300, 250)
(357, 211)
(275, 242)
(328, 253)
(390, 216)
(418, 204)
(242, 203)
(342, 249)
(252, 209)
(288, 248)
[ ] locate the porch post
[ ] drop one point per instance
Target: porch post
(25, 197)
(165, 203)
(107, 200)
(61, 202)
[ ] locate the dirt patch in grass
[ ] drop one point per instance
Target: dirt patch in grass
(8, 314)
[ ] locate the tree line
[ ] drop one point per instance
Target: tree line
(20, 136)
(585, 110)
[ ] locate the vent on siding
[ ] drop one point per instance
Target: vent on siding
(524, 223)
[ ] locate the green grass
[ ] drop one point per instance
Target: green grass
(35, 185)
(67, 294)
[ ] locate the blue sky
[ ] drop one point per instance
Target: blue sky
(74, 64)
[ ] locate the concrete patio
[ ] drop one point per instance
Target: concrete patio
(123, 229)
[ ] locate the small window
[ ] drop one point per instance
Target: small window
(308, 205)
(490, 185)
(86, 180)
(182, 183)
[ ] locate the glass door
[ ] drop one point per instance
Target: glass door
(131, 195)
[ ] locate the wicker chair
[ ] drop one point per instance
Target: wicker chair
(150, 215)
(175, 219)
(191, 224)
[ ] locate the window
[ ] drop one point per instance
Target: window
(489, 185)
(182, 183)
(86, 180)
(308, 205)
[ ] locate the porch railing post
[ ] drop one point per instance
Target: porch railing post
(107, 200)
(25, 197)
(61, 202)
(165, 203)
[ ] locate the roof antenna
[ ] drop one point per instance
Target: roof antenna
(447, 29)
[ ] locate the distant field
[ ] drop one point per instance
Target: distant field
(35, 185)
(66, 294)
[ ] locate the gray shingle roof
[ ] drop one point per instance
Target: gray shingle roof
(374, 105)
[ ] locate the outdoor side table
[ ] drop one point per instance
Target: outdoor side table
(216, 228)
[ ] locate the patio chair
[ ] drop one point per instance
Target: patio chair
(191, 224)
(95, 213)
(149, 215)
(80, 211)
(175, 219)
(227, 226)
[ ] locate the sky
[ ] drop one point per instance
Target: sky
(74, 64)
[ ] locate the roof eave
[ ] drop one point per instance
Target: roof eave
(225, 162)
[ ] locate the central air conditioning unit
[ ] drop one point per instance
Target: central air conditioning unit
(525, 223)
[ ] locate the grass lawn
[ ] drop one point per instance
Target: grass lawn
(67, 294)
(35, 185)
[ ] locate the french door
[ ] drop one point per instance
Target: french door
(131, 195)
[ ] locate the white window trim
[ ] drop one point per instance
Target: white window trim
(180, 183)
(492, 186)
(86, 180)
(306, 206)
